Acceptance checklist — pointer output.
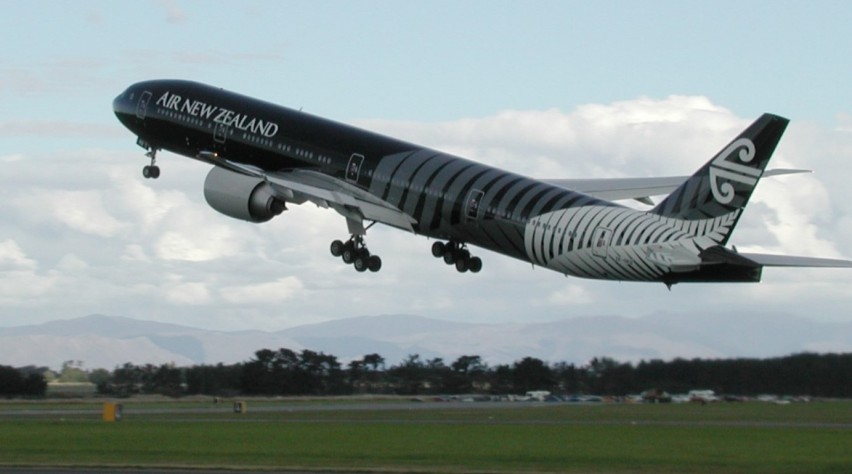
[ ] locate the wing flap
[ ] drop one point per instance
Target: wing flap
(348, 199)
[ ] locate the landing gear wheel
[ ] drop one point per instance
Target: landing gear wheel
(354, 252)
(457, 254)
(438, 249)
(348, 255)
(151, 171)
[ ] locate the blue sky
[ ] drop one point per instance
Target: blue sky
(436, 60)
(541, 88)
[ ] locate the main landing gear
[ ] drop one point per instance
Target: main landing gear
(458, 254)
(151, 171)
(354, 252)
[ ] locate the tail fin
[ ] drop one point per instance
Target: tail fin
(723, 186)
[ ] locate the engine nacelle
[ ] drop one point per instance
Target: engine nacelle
(240, 196)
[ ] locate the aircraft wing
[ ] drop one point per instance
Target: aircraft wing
(347, 199)
(791, 261)
(640, 189)
(615, 189)
(299, 186)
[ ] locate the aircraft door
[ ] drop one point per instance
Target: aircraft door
(142, 106)
(473, 204)
(600, 241)
(220, 133)
(353, 168)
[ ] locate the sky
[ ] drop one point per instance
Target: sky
(547, 89)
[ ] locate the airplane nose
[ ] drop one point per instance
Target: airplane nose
(119, 104)
(124, 109)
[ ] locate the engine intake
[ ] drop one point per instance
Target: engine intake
(241, 197)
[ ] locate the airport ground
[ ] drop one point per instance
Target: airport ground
(400, 435)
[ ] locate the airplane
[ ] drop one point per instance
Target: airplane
(266, 157)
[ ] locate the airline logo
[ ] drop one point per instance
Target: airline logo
(229, 118)
(726, 169)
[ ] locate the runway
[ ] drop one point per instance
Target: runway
(222, 413)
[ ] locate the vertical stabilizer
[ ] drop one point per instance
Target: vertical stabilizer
(723, 186)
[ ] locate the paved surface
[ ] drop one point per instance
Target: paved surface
(224, 409)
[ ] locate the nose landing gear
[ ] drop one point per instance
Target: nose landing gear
(455, 253)
(151, 171)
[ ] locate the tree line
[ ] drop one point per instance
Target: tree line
(22, 382)
(287, 372)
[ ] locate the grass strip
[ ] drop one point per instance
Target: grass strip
(428, 447)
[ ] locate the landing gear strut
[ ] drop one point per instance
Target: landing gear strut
(354, 252)
(455, 253)
(151, 171)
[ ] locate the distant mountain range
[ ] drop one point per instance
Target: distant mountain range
(108, 341)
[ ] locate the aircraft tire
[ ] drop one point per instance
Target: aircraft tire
(348, 255)
(374, 263)
(337, 248)
(449, 257)
(462, 265)
(151, 172)
(360, 263)
(438, 249)
(475, 264)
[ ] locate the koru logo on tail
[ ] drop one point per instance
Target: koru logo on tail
(728, 170)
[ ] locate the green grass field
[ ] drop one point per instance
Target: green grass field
(749, 437)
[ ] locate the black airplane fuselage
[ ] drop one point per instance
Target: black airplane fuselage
(266, 156)
(449, 197)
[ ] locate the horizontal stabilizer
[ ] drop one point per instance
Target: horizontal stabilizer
(792, 261)
(721, 255)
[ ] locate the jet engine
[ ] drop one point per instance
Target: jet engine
(240, 196)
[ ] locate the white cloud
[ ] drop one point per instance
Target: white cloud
(24, 288)
(72, 264)
(186, 293)
(198, 247)
(82, 211)
(11, 158)
(20, 281)
(12, 257)
(135, 253)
